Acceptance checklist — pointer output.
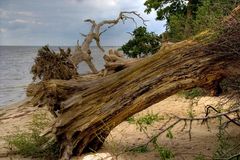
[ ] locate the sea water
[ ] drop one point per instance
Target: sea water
(15, 66)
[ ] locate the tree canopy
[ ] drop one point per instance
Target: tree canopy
(166, 8)
(142, 43)
(186, 18)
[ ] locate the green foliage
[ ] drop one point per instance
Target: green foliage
(144, 121)
(211, 12)
(140, 149)
(178, 13)
(199, 157)
(191, 113)
(166, 8)
(227, 146)
(176, 25)
(164, 153)
(193, 93)
(169, 134)
(149, 119)
(30, 144)
(131, 120)
(186, 19)
(143, 43)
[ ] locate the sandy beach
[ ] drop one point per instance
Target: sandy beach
(126, 135)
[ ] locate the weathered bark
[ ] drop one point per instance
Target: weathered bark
(90, 109)
(83, 54)
(115, 61)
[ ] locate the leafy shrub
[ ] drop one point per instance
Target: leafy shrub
(30, 144)
(140, 149)
(144, 121)
(143, 43)
(228, 147)
(131, 120)
(164, 153)
(195, 92)
(148, 119)
(199, 157)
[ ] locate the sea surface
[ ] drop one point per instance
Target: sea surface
(15, 66)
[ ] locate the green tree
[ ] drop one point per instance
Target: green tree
(142, 43)
(178, 13)
(187, 17)
(176, 28)
(165, 8)
(211, 12)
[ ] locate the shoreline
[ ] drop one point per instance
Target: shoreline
(15, 104)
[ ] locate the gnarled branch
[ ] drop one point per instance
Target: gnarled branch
(81, 53)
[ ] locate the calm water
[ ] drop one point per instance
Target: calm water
(15, 65)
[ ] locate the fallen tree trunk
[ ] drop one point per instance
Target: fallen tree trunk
(89, 109)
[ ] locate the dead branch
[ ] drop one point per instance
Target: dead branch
(204, 119)
(81, 52)
(115, 61)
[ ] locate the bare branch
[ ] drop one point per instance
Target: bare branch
(90, 21)
(95, 33)
(130, 33)
(230, 119)
(131, 18)
(102, 32)
(98, 44)
(207, 117)
(93, 25)
(84, 35)
(139, 16)
(122, 16)
(213, 116)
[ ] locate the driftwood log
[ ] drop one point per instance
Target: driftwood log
(89, 107)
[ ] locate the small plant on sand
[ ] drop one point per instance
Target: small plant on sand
(140, 149)
(193, 93)
(30, 143)
(142, 124)
(228, 147)
(191, 113)
(149, 119)
(199, 157)
(169, 134)
(164, 153)
(130, 120)
(144, 121)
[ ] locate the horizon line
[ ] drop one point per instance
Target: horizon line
(52, 46)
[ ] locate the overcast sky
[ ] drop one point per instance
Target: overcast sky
(59, 22)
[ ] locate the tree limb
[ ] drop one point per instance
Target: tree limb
(81, 54)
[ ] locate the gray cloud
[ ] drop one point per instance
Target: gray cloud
(8, 14)
(2, 30)
(60, 22)
(24, 21)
